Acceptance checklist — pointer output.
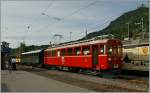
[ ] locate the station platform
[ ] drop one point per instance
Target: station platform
(22, 81)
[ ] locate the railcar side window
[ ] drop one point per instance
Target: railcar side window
(101, 49)
(63, 52)
(58, 53)
(77, 51)
(53, 52)
(86, 51)
(70, 52)
(48, 53)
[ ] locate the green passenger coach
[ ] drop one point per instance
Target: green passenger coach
(32, 57)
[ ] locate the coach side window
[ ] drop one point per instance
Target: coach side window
(86, 50)
(77, 51)
(101, 49)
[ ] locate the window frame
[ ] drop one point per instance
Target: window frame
(88, 48)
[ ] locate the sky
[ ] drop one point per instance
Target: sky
(36, 22)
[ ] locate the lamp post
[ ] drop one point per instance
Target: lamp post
(128, 29)
(28, 27)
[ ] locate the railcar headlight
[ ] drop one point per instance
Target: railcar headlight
(109, 59)
(122, 59)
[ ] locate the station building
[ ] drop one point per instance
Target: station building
(5, 54)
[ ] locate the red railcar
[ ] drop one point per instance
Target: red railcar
(94, 55)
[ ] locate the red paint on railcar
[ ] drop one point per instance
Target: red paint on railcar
(70, 61)
(54, 61)
(78, 61)
(102, 62)
(108, 56)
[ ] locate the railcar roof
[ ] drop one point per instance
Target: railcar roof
(80, 44)
(31, 52)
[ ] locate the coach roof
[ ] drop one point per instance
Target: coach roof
(30, 52)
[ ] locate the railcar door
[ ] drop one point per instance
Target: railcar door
(95, 55)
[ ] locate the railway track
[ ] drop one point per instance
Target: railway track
(134, 79)
(95, 83)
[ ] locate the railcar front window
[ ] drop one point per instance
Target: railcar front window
(110, 50)
(115, 50)
(119, 50)
(101, 49)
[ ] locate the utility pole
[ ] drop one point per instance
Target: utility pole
(85, 31)
(142, 27)
(128, 30)
(59, 38)
(70, 35)
(147, 4)
(86, 34)
(28, 27)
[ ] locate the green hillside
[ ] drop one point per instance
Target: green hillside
(119, 27)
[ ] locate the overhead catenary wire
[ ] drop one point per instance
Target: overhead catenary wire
(67, 16)
(35, 20)
(44, 10)
(83, 33)
(95, 27)
(88, 30)
(92, 28)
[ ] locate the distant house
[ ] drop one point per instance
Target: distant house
(5, 54)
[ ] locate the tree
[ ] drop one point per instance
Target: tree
(22, 47)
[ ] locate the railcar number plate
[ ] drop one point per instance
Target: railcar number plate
(115, 65)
